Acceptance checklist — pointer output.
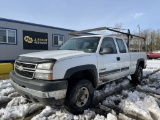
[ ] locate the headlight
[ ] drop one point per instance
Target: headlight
(45, 66)
(43, 76)
(44, 71)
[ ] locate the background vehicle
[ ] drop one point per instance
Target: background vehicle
(153, 54)
(73, 72)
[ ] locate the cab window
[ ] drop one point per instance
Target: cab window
(121, 45)
(109, 42)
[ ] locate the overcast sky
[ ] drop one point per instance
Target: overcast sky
(83, 14)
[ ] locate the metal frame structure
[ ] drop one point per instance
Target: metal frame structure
(128, 34)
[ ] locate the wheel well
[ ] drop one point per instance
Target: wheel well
(84, 74)
(141, 63)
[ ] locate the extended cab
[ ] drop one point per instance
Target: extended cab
(72, 73)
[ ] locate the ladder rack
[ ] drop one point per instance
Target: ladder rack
(128, 34)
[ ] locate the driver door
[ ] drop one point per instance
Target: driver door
(108, 64)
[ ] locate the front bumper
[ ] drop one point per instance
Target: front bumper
(42, 91)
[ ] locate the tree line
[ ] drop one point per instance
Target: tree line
(151, 43)
(152, 39)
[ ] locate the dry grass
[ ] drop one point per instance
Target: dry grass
(4, 76)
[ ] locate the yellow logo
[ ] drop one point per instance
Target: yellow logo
(28, 39)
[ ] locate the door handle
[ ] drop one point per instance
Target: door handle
(118, 58)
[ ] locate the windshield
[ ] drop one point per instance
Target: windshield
(86, 44)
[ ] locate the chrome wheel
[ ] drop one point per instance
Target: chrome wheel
(82, 97)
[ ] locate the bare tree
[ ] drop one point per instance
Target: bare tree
(119, 26)
(152, 39)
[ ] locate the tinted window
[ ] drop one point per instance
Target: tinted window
(122, 48)
(109, 42)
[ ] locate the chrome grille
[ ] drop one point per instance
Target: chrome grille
(25, 70)
(24, 73)
(26, 65)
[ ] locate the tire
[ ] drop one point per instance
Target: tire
(79, 97)
(137, 76)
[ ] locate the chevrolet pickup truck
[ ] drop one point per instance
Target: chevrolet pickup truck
(71, 73)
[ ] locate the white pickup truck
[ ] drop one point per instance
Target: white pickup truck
(71, 73)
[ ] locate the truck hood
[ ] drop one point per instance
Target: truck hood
(56, 54)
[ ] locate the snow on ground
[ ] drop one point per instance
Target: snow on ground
(18, 107)
(130, 104)
(50, 113)
(152, 84)
(155, 76)
(5, 90)
(5, 84)
(140, 105)
(112, 87)
(151, 66)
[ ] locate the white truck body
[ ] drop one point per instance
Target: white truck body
(70, 58)
(99, 66)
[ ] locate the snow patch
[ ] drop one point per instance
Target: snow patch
(44, 114)
(152, 65)
(5, 85)
(87, 115)
(140, 105)
(14, 112)
(4, 99)
(124, 117)
(112, 87)
(133, 109)
(111, 100)
(17, 101)
(100, 117)
(111, 117)
(61, 114)
(7, 91)
(14, 94)
(155, 76)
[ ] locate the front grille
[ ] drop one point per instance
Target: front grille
(26, 65)
(26, 74)
(25, 70)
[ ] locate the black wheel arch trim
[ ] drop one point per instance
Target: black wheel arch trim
(90, 67)
(138, 61)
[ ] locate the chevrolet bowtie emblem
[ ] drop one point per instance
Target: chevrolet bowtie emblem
(20, 68)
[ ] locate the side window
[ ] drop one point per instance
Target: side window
(8, 36)
(109, 42)
(122, 47)
(58, 40)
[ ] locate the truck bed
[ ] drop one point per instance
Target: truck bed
(134, 56)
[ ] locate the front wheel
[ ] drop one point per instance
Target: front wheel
(137, 76)
(79, 97)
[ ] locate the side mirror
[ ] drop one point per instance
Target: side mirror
(107, 50)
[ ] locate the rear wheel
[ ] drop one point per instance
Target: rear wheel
(137, 76)
(79, 97)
